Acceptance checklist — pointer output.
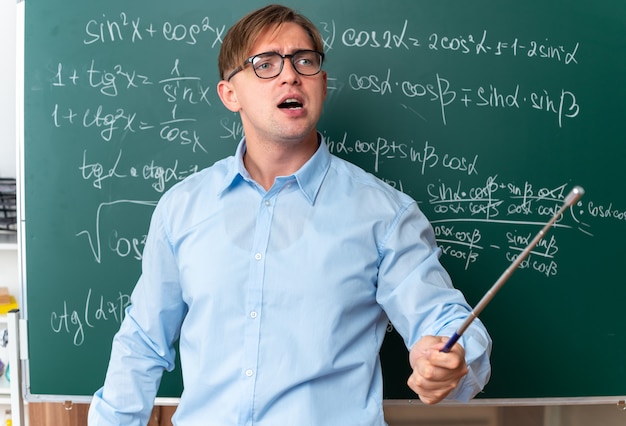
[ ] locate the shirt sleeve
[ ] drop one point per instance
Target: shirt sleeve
(417, 295)
(143, 348)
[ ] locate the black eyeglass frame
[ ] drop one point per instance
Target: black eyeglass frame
(282, 63)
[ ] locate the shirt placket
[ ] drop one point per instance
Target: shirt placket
(254, 299)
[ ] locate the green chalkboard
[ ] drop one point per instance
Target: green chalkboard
(486, 112)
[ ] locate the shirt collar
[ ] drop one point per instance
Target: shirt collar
(309, 177)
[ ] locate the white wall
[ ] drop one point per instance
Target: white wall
(9, 276)
(7, 89)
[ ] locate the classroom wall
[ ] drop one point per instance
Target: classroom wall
(7, 89)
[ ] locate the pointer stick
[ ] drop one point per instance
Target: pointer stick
(571, 198)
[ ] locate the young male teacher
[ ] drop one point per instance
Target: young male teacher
(280, 268)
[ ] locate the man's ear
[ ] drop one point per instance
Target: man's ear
(227, 94)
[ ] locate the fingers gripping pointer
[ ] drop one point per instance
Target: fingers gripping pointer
(435, 373)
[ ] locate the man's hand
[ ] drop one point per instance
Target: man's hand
(435, 373)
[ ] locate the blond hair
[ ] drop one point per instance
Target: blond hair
(241, 37)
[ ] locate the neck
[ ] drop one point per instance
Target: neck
(265, 161)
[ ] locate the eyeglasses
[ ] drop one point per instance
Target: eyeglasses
(270, 64)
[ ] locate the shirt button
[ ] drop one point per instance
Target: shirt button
(267, 203)
(249, 373)
(258, 256)
(253, 314)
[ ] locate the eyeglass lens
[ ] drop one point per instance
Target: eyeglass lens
(268, 65)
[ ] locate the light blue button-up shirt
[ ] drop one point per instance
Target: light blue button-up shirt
(281, 299)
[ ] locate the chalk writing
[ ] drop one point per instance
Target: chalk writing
(127, 246)
(116, 122)
(425, 156)
(387, 39)
(449, 240)
(233, 129)
(93, 311)
(94, 236)
(105, 81)
(562, 104)
(606, 211)
(123, 28)
(480, 43)
(159, 175)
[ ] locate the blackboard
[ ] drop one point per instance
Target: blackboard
(485, 112)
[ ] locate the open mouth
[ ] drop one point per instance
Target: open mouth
(290, 104)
